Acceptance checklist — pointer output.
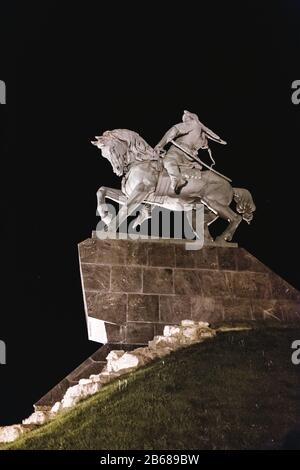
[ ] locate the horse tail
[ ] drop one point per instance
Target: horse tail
(244, 203)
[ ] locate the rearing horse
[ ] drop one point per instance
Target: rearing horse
(146, 182)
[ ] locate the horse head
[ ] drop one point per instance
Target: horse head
(114, 150)
(121, 147)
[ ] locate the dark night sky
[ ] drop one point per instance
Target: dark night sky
(74, 71)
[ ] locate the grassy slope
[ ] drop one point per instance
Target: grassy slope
(237, 391)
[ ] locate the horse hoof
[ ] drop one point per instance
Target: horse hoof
(221, 241)
(209, 240)
(107, 219)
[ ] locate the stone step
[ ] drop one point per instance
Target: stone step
(92, 365)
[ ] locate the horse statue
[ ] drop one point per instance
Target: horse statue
(146, 183)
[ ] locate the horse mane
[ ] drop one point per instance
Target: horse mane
(136, 145)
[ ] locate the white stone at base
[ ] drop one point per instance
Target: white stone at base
(97, 330)
(10, 433)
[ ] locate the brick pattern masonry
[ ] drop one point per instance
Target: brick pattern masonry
(137, 287)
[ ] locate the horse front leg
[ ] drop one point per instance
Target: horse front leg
(102, 208)
(209, 218)
(138, 195)
(234, 221)
(144, 214)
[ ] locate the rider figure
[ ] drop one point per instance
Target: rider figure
(191, 135)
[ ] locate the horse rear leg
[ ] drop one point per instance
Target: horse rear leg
(228, 214)
(200, 230)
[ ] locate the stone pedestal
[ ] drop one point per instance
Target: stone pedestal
(133, 288)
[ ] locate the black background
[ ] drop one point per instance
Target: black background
(75, 69)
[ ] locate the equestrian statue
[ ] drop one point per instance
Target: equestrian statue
(175, 179)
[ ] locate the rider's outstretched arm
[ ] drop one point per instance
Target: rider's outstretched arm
(212, 136)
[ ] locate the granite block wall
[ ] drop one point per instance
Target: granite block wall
(132, 288)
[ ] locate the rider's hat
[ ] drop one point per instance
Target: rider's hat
(191, 115)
